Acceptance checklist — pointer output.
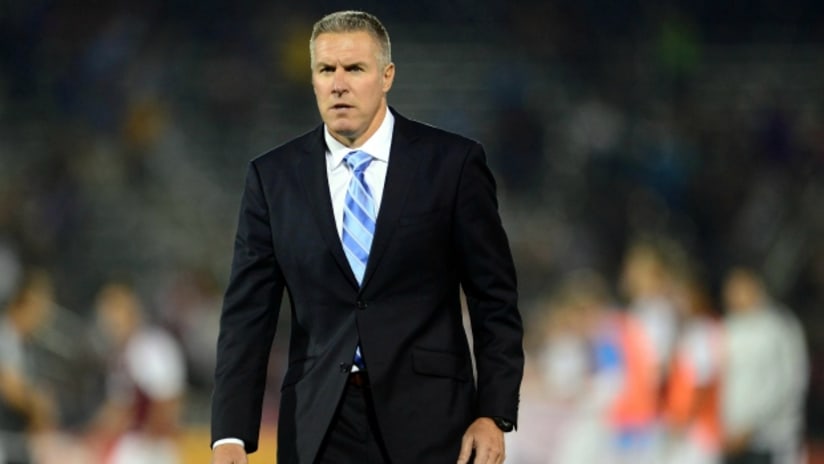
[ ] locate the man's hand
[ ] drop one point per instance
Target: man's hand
(486, 439)
(229, 453)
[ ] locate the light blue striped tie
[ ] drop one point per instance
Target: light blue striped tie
(358, 222)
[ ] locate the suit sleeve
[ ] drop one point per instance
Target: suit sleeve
(489, 282)
(248, 322)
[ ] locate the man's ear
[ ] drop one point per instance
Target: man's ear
(388, 77)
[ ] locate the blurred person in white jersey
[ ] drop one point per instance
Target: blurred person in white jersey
(145, 384)
(691, 401)
(766, 375)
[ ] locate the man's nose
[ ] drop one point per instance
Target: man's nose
(339, 81)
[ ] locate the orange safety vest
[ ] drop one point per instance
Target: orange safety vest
(635, 406)
(682, 406)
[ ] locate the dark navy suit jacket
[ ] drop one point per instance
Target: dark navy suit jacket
(438, 230)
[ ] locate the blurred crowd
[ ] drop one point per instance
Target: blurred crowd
(118, 400)
(666, 376)
(124, 129)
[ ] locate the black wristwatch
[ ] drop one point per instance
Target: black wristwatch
(503, 424)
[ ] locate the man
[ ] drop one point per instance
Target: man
(25, 407)
(140, 417)
(766, 375)
(690, 405)
(379, 364)
(646, 338)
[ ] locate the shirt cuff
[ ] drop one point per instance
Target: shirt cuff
(228, 441)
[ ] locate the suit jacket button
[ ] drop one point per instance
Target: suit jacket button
(344, 367)
(361, 304)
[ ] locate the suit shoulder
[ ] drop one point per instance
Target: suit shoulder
(438, 135)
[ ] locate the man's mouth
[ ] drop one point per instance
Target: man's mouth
(341, 106)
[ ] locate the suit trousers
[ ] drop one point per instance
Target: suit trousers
(353, 436)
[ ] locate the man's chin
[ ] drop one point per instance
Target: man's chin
(343, 131)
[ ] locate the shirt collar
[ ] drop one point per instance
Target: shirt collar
(378, 145)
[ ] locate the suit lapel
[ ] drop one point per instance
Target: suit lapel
(311, 170)
(400, 172)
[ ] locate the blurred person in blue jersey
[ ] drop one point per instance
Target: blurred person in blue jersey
(766, 375)
(25, 407)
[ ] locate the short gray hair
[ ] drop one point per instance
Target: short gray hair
(354, 21)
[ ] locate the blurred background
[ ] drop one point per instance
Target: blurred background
(661, 178)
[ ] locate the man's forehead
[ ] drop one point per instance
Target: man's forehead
(337, 43)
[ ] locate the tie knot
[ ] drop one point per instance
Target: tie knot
(357, 160)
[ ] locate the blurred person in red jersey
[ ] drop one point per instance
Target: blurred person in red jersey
(26, 409)
(691, 409)
(140, 418)
(766, 375)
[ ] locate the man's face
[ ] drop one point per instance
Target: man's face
(350, 85)
(36, 310)
(742, 292)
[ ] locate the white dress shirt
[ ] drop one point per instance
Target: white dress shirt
(339, 176)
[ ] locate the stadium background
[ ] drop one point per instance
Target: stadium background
(125, 128)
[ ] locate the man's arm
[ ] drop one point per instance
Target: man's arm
(33, 404)
(247, 326)
(489, 281)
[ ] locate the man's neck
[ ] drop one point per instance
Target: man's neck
(359, 140)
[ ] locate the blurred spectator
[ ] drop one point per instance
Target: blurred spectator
(766, 375)
(565, 358)
(141, 415)
(588, 437)
(647, 281)
(191, 308)
(691, 400)
(25, 408)
(555, 367)
(647, 339)
(572, 379)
